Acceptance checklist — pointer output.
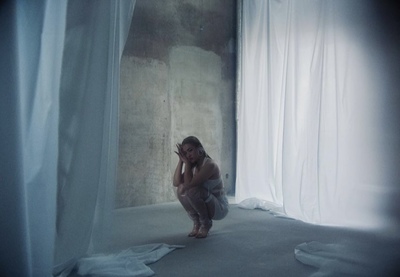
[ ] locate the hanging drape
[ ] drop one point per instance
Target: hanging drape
(308, 110)
(32, 37)
(59, 66)
(88, 124)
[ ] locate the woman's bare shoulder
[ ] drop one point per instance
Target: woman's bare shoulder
(212, 165)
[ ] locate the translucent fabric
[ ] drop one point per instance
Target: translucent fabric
(309, 110)
(59, 70)
(345, 258)
(255, 203)
(32, 40)
(88, 128)
(128, 263)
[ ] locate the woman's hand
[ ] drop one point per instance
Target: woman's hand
(181, 155)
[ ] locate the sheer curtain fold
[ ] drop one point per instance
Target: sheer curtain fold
(303, 110)
(96, 33)
(59, 70)
(32, 37)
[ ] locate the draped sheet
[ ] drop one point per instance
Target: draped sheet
(346, 258)
(32, 40)
(131, 262)
(59, 73)
(309, 110)
(88, 129)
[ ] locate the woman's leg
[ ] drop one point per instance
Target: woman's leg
(211, 205)
(192, 213)
(196, 197)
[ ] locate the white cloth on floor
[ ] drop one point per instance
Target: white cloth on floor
(130, 262)
(344, 259)
(255, 203)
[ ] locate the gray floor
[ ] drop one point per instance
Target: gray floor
(245, 243)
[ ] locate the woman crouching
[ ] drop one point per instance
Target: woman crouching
(200, 187)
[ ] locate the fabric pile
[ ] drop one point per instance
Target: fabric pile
(131, 262)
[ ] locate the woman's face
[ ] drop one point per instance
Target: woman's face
(191, 153)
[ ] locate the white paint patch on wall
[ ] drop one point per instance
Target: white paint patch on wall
(160, 105)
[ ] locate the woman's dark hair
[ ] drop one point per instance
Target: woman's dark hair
(195, 142)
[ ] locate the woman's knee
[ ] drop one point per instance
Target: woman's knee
(180, 190)
(196, 192)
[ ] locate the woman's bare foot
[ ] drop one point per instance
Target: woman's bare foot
(204, 229)
(195, 231)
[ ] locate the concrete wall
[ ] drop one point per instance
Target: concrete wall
(177, 79)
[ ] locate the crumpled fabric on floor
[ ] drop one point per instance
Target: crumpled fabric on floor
(130, 262)
(256, 203)
(345, 259)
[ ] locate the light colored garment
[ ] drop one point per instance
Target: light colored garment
(211, 184)
(218, 197)
(221, 206)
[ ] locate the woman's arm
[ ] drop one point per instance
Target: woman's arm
(204, 174)
(178, 176)
(187, 174)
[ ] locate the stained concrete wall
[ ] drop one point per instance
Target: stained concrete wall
(177, 79)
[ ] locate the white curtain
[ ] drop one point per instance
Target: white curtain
(309, 110)
(59, 73)
(88, 126)
(32, 37)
